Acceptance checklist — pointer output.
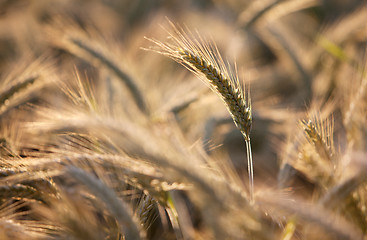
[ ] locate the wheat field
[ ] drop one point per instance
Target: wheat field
(198, 119)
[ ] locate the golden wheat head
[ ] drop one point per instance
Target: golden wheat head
(204, 60)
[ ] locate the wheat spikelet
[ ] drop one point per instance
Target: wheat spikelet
(312, 146)
(204, 60)
(320, 137)
(146, 210)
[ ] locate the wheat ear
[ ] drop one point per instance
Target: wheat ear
(14, 89)
(320, 135)
(204, 60)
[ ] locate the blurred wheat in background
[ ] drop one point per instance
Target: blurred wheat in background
(101, 139)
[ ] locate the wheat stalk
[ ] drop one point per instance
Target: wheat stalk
(204, 60)
(108, 62)
(94, 52)
(116, 206)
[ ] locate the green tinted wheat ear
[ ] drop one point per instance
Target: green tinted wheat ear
(320, 135)
(204, 60)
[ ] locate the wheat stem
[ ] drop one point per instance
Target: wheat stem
(250, 170)
(115, 205)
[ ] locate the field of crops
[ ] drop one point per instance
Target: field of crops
(197, 119)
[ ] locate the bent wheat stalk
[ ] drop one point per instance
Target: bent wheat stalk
(114, 204)
(204, 60)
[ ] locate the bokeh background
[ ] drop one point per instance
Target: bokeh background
(295, 56)
(298, 58)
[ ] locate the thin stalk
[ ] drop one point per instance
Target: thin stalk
(250, 170)
(112, 66)
(173, 216)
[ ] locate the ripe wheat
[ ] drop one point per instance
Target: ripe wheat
(204, 60)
